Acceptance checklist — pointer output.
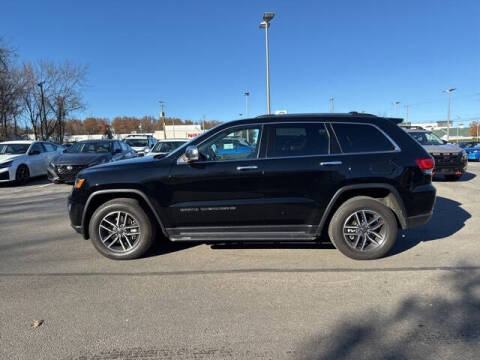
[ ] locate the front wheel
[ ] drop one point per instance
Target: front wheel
(120, 229)
(363, 228)
(22, 175)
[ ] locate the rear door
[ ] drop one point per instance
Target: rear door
(301, 175)
(37, 161)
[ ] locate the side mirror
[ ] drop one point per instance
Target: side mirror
(191, 153)
(34, 152)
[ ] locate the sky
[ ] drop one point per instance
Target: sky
(199, 56)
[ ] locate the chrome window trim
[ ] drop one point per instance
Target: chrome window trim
(262, 125)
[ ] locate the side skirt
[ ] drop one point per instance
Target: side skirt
(243, 233)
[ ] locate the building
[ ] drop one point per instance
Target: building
(178, 132)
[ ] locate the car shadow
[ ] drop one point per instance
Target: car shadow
(271, 245)
(465, 177)
(40, 180)
(447, 219)
(163, 246)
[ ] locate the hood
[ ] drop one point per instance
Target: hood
(79, 158)
(441, 149)
(5, 158)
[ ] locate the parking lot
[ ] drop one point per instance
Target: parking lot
(254, 301)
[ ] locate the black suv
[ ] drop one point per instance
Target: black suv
(356, 177)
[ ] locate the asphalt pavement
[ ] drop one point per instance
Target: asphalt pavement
(257, 301)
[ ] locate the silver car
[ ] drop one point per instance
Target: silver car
(21, 160)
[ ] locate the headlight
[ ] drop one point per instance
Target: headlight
(6, 164)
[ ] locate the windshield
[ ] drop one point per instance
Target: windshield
(167, 146)
(426, 138)
(137, 142)
(90, 147)
(13, 149)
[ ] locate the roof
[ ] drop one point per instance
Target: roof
(18, 142)
(172, 140)
(95, 140)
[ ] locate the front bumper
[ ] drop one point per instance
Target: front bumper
(64, 173)
(75, 213)
(5, 175)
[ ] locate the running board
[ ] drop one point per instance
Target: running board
(232, 234)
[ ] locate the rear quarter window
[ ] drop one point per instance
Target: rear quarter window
(361, 138)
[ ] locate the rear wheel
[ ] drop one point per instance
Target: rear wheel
(22, 175)
(363, 228)
(120, 229)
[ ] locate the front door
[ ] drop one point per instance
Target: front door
(301, 175)
(223, 188)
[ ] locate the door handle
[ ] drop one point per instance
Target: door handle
(250, 167)
(329, 163)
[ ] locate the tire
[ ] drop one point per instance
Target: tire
(116, 246)
(351, 245)
(452, 177)
(22, 175)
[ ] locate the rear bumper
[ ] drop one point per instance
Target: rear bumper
(418, 220)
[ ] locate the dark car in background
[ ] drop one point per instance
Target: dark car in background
(450, 159)
(356, 178)
(85, 154)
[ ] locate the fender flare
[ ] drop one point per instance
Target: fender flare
(398, 208)
(120, 191)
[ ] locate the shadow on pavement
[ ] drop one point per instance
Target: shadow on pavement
(448, 218)
(465, 177)
(163, 246)
(272, 245)
(419, 328)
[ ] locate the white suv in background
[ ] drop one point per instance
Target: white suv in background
(21, 160)
(141, 144)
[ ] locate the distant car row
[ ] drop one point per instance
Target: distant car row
(21, 160)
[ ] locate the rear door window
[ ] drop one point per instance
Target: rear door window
(290, 140)
(355, 138)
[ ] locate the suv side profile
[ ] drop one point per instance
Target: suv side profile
(354, 177)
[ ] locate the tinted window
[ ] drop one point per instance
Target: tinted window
(167, 146)
(10, 149)
(426, 138)
(116, 147)
(37, 147)
(239, 144)
(90, 147)
(361, 138)
(137, 142)
(298, 139)
(49, 147)
(124, 146)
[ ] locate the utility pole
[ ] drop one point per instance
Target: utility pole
(406, 113)
(203, 123)
(332, 105)
(43, 116)
(246, 94)
(449, 91)
(162, 117)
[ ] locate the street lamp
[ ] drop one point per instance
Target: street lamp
(332, 105)
(395, 103)
(265, 24)
(246, 94)
(448, 91)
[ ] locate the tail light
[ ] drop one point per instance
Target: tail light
(426, 165)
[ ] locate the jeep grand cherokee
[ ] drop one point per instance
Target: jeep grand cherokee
(357, 178)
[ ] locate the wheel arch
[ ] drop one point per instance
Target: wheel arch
(99, 197)
(385, 193)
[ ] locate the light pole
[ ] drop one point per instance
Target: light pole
(406, 113)
(43, 116)
(246, 94)
(265, 24)
(332, 105)
(449, 91)
(395, 103)
(162, 117)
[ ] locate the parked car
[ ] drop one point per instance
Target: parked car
(450, 160)
(84, 154)
(163, 147)
(21, 160)
(356, 177)
(468, 144)
(141, 144)
(473, 152)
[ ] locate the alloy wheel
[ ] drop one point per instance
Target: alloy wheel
(364, 230)
(119, 231)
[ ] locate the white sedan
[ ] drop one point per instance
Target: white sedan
(21, 160)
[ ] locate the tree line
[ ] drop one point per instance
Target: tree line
(126, 125)
(38, 97)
